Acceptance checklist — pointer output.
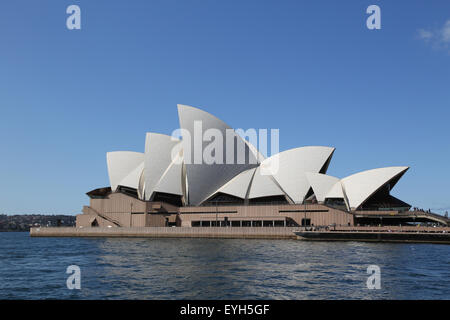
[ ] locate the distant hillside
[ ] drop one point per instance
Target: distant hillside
(23, 222)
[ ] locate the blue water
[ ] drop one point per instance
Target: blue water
(35, 268)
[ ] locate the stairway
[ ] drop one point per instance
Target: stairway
(88, 209)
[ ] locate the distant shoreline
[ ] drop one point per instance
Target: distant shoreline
(23, 222)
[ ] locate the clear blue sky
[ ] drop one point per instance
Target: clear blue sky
(310, 68)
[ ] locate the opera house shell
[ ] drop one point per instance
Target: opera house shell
(300, 170)
(164, 180)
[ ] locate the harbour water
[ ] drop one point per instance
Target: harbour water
(134, 268)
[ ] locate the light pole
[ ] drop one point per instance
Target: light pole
(216, 213)
(304, 219)
(131, 213)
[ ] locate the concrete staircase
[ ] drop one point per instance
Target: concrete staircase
(89, 210)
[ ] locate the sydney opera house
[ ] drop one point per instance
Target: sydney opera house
(162, 187)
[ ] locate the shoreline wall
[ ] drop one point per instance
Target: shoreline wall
(170, 232)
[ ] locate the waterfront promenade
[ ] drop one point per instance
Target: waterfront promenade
(170, 232)
(222, 232)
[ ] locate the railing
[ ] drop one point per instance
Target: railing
(432, 216)
(391, 229)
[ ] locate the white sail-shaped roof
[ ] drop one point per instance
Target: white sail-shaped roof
(162, 173)
(204, 179)
(336, 191)
(141, 186)
(360, 186)
(179, 167)
(171, 180)
(322, 184)
(281, 174)
(264, 186)
(132, 179)
(294, 163)
(124, 168)
(239, 185)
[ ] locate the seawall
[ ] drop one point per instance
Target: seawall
(414, 237)
(169, 232)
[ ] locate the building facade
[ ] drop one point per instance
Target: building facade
(166, 185)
